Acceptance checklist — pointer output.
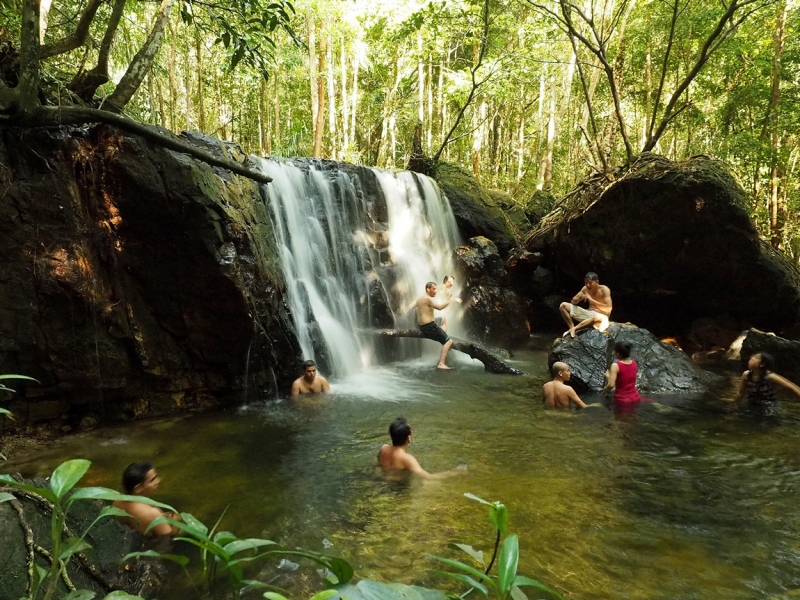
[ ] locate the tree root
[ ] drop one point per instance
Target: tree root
(28, 532)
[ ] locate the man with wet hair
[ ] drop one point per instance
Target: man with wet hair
(141, 479)
(310, 382)
(429, 326)
(599, 299)
(397, 458)
(556, 394)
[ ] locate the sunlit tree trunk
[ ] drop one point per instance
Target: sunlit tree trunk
(354, 101)
(319, 129)
(429, 136)
(420, 80)
(546, 168)
(276, 105)
(331, 76)
(313, 60)
(775, 225)
(345, 122)
(201, 107)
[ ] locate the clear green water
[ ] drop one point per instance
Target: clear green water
(688, 498)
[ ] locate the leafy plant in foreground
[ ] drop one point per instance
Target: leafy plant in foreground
(506, 584)
(64, 547)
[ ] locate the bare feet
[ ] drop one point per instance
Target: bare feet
(443, 366)
(570, 332)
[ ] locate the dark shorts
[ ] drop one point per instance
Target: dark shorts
(433, 332)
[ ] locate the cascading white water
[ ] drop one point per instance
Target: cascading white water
(336, 243)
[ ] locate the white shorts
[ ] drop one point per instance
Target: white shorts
(581, 314)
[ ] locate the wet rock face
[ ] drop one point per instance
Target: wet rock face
(496, 314)
(785, 352)
(135, 281)
(674, 243)
(663, 369)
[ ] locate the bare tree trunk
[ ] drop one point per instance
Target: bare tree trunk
(429, 127)
(420, 80)
(319, 130)
(354, 101)
(331, 75)
(313, 61)
(276, 134)
(29, 57)
(77, 38)
(546, 168)
(142, 61)
(44, 11)
(201, 107)
(774, 111)
(345, 121)
(173, 87)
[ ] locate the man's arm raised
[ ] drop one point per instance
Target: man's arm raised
(580, 296)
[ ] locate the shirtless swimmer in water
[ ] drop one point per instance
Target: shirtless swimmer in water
(557, 394)
(397, 458)
(310, 382)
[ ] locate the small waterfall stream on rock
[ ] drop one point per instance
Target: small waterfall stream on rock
(357, 246)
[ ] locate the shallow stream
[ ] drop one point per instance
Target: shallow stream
(686, 498)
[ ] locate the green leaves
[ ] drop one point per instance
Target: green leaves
(498, 514)
(72, 546)
(176, 558)
(43, 492)
(507, 564)
(67, 475)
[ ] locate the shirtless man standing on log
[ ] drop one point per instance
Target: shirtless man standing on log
(599, 299)
(429, 326)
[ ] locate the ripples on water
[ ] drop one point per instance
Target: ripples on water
(687, 498)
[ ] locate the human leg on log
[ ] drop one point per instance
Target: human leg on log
(443, 354)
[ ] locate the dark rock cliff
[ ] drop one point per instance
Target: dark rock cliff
(135, 281)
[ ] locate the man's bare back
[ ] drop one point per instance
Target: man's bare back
(395, 456)
(556, 393)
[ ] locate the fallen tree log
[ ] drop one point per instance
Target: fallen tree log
(491, 363)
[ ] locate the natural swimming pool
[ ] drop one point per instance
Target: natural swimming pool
(690, 498)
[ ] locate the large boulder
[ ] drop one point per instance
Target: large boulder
(135, 281)
(786, 352)
(663, 368)
(496, 314)
(674, 243)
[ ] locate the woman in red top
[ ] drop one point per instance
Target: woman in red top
(622, 375)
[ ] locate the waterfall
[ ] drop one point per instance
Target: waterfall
(357, 246)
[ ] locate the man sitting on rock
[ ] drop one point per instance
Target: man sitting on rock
(599, 299)
(556, 394)
(141, 479)
(428, 325)
(310, 382)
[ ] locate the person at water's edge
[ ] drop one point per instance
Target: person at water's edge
(759, 382)
(310, 382)
(141, 479)
(429, 326)
(556, 394)
(599, 299)
(397, 458)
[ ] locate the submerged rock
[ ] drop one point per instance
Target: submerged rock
(674, 243)
(663, 368)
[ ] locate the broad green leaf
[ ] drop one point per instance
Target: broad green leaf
(461, 566)
(517, 594)
(375, 590)
(120, 595)
(40, 575)
(248, 544)
(5, 497)
(5, 412)
(43, 492)
(274, 596)
(112, 511)
(340, 567)
(67, 474)
(521, 580)
(477, 499)
(465, 579)
(324, 595)
(224, 537)
(476, 554)
(498, 515)
(101, 493)
(195, 524)
(176, 558)
(507, 564)
(71, 546)
(18, 377)
(80, 595)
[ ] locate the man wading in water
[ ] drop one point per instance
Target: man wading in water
(430, 326)
(310, 382)
(397, 458)
(599, 299)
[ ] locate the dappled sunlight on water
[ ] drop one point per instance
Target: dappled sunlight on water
(689, 497)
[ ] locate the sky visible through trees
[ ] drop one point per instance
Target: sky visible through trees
(528, 95)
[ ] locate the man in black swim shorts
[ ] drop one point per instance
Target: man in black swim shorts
(428, 325)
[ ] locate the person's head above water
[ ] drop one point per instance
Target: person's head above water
(622, 349)
(309, 370)
(399, 431)
(448, 281)
(430, 288)
(762, 362)
(140, 478)
(560, 370)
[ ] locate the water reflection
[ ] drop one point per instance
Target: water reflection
(686, 498)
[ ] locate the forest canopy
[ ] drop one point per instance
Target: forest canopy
(530, 95)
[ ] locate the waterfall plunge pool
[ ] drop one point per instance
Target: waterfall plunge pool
(690, 498)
